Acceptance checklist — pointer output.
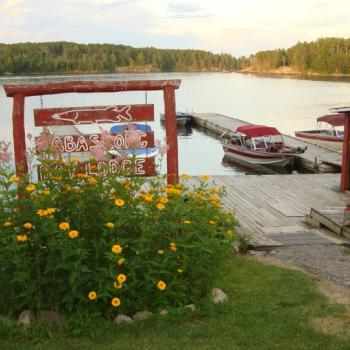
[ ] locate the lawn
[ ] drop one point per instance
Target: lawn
(269, 308)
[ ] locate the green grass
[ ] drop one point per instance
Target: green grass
(269, 308)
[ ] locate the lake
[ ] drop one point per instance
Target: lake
(286, 103)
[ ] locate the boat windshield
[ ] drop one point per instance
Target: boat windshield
(267, 141)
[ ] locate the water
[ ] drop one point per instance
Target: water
(288, 104)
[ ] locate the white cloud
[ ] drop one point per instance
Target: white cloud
(240, 27)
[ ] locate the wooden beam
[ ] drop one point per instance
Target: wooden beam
(344, 180)
(89, 86)
(19, 137)
(171, 135)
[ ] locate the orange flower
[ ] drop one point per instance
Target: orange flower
(187, 222)
(115, 302)
(161, 285)
(160, 206)
(22, 238)
(119, 202)
(92, 295)
(73, 234)
(109, 225)
(30, 188)
(121, 278)
(121, 261)
(64, 226)
(172, 246)
(27, 225)
(7, 223)
(117, 249)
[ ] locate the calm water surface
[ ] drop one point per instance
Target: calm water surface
(288, 104)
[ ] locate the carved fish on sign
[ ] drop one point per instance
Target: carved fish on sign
(76, 116)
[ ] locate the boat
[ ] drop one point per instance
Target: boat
(329, 132)
(259, 144)
(182, 119)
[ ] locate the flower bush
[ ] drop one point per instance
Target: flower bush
(72, 242)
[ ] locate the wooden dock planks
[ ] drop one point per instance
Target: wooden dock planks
(316, 158)
(271, 208)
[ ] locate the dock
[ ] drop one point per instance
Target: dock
(272, 209)
(316, 159)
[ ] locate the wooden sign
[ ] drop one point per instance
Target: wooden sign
(84, 143)
(95, 114)
(131, 167)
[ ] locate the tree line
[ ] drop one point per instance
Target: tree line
(67, 57)
(325, 55)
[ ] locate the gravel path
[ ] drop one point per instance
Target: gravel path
(331, 262)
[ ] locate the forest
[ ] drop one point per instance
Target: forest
(323, 56)
(67, 57)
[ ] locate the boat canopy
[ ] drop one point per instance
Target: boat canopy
(257, 130)
(333, 119)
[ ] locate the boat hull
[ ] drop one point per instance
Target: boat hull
(256, 157)
(182, 119)
(327, 141)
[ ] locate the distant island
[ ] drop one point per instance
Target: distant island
(326, 56)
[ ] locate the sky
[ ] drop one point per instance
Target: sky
(238, 27)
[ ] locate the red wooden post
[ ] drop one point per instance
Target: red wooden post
(19, 137)
(171, 135)
(345, 170)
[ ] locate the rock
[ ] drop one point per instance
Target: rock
(163, 312)
(26, 318)
(51, 318)
(123, 319)
(218, 296)
(190, 307)
(142, 315)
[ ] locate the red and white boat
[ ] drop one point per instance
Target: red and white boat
(260, 144)
(329, 132)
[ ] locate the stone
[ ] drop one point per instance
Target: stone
(142, 315)
(218, 296)
(123, 319)
(163, 312)
(52, 318)
(190, 307)
(26, 318)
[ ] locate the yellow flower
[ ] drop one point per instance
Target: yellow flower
(200, 197)
(27, 225)
(160, 206)
(118, 285)
(22, 238)
(163, 200)
(179, 270)
(30, 188)
(148, 198)
(109, 225)
(121, 261)
(185, 176)
(92, 181)
(15, 179)
(82, 175)
(214, 190)
(213, 198)
(187, 222)
(119, 202)
(160, 251)
(211, 222)
(51, 210)
(161, 285)
(68, 187)
(7, 223)
(115, 302)
(46, 192)
(117, 249)
(204, 178)
(216, 204)
(75, 160)
(229, 233)
(73, 234)
(42, 212)
(92, 295)
(121, 278)
(172, 246)
(64, 226)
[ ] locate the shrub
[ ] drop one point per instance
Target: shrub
(72, 242)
